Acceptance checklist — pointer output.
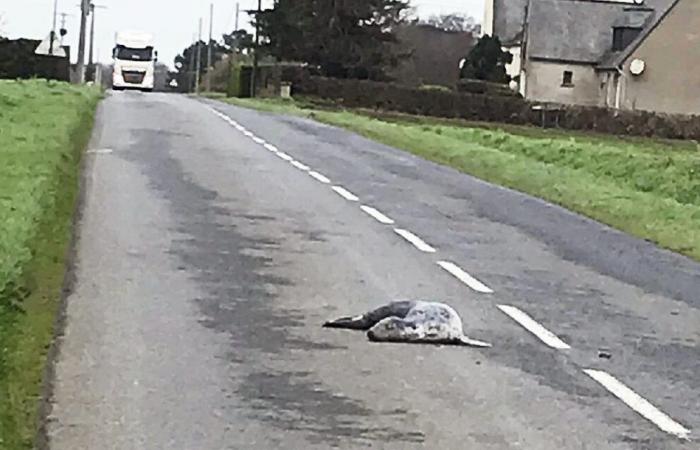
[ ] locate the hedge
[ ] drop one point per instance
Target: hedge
(488, 108)
(17, 60)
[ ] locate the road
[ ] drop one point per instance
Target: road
(215, 241)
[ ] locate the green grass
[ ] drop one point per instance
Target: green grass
(647, 188)
(44, 127)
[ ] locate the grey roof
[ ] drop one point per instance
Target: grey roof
(509, 19)
(634, 18)
(616, 59)
(581, 31)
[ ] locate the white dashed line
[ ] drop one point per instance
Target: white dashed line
(258, 140)
(322, 178)
(301, 166)
(639, 404)
(247, 133)
(415, 240)
(284, 156)
(271, 148)
(381, 218)
(465, 278)
(347, 195)
(535, 328)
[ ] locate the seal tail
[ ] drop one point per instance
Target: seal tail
(464, 340)
(349, 323)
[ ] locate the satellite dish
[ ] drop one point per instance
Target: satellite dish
(637, 67)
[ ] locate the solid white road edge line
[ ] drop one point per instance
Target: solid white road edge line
(377, 215)
(347, 195)
(465, 278)
(415, 240)
(535, 328)
(639, 404)
(271, 148)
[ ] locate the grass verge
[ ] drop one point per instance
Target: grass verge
(44, 126)
(647, 188)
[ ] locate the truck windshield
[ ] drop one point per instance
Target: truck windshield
(134, 54)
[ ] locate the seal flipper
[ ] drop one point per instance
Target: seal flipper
(464, 340)
(366, 321)
(350, 323)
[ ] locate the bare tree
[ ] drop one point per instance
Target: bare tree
(457, 22)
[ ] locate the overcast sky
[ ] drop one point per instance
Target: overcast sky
(173, 22)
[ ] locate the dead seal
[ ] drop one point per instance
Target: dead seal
(410, 322)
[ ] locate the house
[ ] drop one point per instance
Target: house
(627, 54)
(660, 69)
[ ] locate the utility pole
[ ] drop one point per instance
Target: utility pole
(254, 82)
(53, 29)
(209, 47)
(191, 70)
(92, 35)
(91, 59)
(81, 41)
(199, 58)
(238, 14)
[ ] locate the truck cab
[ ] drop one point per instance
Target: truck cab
(134, 61)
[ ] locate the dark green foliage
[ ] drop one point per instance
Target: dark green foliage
(496, 108)
(17, 60)
(487, 61)
(239, 41)
(240, 82)
(186, 63)
(472, 86)
(344, 39)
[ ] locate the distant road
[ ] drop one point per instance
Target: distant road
(216, 240)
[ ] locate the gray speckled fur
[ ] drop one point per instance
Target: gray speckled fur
(411, 322)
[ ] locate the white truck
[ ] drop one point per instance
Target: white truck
(134, 61)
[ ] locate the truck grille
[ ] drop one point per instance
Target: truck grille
(133, 76)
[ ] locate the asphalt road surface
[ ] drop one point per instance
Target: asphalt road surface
(215, 241)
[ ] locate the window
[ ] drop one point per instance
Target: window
(568, 80)
(133, 54)
(622, 37)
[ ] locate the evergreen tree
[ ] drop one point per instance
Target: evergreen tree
(343, 38)
(487, 61)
